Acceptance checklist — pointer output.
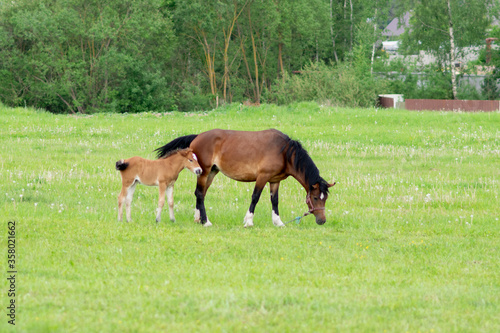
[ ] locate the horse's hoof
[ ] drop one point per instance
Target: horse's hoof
(207, 224)
(197, 216)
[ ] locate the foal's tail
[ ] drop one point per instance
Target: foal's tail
(179, 143)
(121, 165)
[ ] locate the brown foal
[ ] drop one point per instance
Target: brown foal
(162, 172)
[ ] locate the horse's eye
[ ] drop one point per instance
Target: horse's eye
(191, 161)
(315, 199)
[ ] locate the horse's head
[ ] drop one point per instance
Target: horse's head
(316, 200)
(191, 161)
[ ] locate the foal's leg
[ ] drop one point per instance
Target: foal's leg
(161, 200)
(204, 182)
(170, 200)
(128, 200)
(274, 201)
(259, 186)
(121, 198)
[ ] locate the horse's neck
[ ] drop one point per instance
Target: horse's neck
(301, 178)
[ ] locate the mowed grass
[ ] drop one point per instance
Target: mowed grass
(411, 242)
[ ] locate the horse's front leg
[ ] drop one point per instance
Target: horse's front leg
(259, 186)
(170, 200)
(274, 201)
(161, 201)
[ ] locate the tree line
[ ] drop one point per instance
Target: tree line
(81, 56)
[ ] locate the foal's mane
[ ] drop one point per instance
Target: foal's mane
(303, 163)
(172, 152)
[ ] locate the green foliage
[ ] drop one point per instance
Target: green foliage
(192, 98)
(76, 56)
(346, 84)
(489, 87)
(468, 92)
(81, 56)
(430, 22)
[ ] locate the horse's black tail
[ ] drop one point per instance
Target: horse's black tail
(179, 143)
(121, 165)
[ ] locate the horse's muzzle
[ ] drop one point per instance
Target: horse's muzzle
(198, 171)
(320, 221)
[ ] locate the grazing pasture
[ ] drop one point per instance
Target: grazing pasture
(411, 242)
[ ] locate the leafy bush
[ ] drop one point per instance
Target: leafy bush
(489, 86)
(343, 85)
(72, 56)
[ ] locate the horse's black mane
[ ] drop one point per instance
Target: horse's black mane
(174, 145)
(303, 163)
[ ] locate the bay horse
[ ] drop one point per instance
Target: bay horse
(262, 157)
(162, 173)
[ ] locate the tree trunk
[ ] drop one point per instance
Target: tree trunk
(452, 54)
(227, 39)
(255, 60)
(280, 60)
(331, 32)
(374, 39)
(352, 26)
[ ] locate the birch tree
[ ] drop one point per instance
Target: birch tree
(444, 28)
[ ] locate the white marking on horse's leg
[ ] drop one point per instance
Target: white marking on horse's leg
(197, 216)
(277, 220)
(248, 220)
(170, 199)
(128, 200)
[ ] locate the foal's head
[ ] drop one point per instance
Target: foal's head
(191, 161)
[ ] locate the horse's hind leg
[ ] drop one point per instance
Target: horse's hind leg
(274, 201)
(128, 200)
(259, 186)
(121, 198)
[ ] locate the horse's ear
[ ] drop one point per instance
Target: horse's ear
(332, 184)
(316, 186)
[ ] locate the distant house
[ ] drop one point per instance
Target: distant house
(396, 27)
(392, 32)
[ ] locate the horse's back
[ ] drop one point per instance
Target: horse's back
(241, 155)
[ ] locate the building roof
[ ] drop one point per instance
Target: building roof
(395, 28)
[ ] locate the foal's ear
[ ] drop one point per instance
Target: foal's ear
(185, 152)
(332, 184)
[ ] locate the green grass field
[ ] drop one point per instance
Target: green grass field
(411, 243)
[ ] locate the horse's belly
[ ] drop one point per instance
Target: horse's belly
(239, 174)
